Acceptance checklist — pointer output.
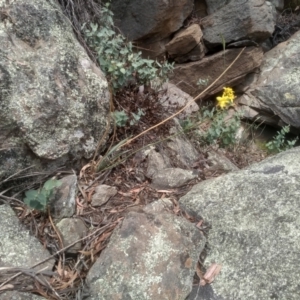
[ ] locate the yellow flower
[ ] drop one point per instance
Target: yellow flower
(226, 99)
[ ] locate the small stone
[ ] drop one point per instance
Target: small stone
(72, 230)
(64, 203)
(102, 194)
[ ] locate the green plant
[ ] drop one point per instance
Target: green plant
(222, 131)
(117, 58)
(39, 199)
(136, 117)
(121, 117)
(279, 142)
(203, 81)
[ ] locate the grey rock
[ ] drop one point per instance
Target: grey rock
(156, 161)
(197, 53)
(15, 295)
(54, 100)
(172, 178)
(158, 206)
(152, 20)
(183, 151)
(71, 230)
(102, 194)
(218, 161)
(203, 293)
(239, 20)
(63, 204)
(254, 215)
(174, 98)
(150, 256)
(274, 92)
(215, 5)
(278, 4)
(17, 247)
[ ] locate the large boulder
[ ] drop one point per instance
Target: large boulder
(239, 20)
(150, 256)
(54, 100)
(29, 250)
(187, 76)
(274, 94)
(254, 219)
(153, 20)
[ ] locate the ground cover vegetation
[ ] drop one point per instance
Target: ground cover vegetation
(136, 83)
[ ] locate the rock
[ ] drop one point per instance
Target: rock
(155, 50)
(150, 256)
(174, 99)
(239, 20)
(186, 76)
(54, 100)
(151, 20)
(254, 235)
(71, 230)
(102, 194)
(200, 8)
(172, 178)
(278, 4)
(215, 5)
(218, 161)
(63, 204)
(15, 295)
(274, 92)
(158, 206)
(183, 151)
(184, 41)
(17, 247)
(196, 53)
(156, 161)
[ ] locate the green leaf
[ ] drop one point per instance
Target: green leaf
(32, 194)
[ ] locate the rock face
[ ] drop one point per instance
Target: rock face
(185, 40)
(275, 93)
(14, 295)
(153, 20)
(255, 222)
(150, 256)
(54, 101)
(63, 204)
(186, 76)
(17, 247)
(255, 21)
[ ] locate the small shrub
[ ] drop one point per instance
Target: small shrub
(121, 117)
(39, 199)
(279, 142)
(136, 117)
(116, 57)
(203, 81)
(222, 132)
